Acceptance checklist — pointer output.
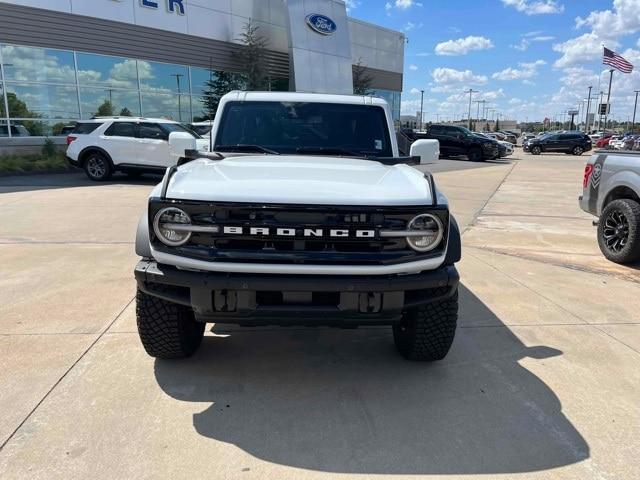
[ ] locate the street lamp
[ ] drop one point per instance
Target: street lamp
(421, 105)
(635, 106)
(471, 92)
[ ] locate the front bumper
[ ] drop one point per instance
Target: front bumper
(255, 299)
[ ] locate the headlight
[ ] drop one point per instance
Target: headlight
(169, 226)
(426, 232)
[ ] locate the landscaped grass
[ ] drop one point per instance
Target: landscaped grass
(32, 163)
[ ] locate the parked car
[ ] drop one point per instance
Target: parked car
(16, 131)
(570, 142)
(603, 142)
(314, 220)
(505, 148)
(526, 136)
(510, 137)
(202, 128)
(615, 142)
(636, 144)
(629, 141)
(461, 141)
(611, 192)
(133, 145)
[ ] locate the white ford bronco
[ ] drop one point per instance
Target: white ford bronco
(303, 214)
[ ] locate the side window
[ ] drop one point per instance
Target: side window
(451, 132)
(121, 129)
(435, 130)
(152, 131)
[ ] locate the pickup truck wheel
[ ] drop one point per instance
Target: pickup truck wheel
(536, 150)
(475, 155)
(97, 167)
(577, 150)
(167, 330)
(619, 231)
(426, 333)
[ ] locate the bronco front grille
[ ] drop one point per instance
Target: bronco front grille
(299, 246)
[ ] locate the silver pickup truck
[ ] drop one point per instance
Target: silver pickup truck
(611, 191)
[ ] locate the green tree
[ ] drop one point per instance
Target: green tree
(252, 55)
(497, 127)
(125, 112)
(361, 79)
(105, 110)
(19, 109)
(220, 84)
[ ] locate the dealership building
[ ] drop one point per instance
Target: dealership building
(66, 60)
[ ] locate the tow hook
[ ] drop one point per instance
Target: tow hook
(595, 223)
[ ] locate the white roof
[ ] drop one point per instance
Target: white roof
(129, 119)
(303, 97)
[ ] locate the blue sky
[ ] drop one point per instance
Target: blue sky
(528, 58)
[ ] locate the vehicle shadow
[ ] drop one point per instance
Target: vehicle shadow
(26, 183)
(344, 401)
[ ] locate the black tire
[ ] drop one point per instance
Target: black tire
(167, 330)
(426, 333)
(97, 166)
(536, 150)
(475, 155)
(619, 231)
(577, 150)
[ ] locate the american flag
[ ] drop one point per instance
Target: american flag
(614, 60)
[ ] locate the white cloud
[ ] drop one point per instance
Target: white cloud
(515, 101)
(535, 7)
(623, 20)
(388, 6)
(414, 91)
(404, 4)
(580, 50)
(410, 26)
(351, 4)
(452, 78)
(525, 70)
(492, 95)
(462, 46)
(413, 67)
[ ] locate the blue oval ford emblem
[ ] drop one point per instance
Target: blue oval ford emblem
(321, 24)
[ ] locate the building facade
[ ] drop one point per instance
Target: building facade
(65, 60)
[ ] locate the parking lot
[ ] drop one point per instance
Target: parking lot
(543, 380)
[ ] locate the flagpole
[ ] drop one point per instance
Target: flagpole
(606, 114)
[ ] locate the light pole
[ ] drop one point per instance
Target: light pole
(586, 118)
(471, 92)
(421, 106)
(635, 106)
(178, 77)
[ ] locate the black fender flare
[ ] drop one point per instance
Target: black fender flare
(83, 153)
(454, 243)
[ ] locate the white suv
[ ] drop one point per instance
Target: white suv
(133, 145)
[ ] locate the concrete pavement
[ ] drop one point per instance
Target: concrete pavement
(542, 381)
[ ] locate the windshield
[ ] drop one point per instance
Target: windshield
(176, 127)
(306, 128)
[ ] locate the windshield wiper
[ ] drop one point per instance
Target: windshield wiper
(244, 148)
(329, 151)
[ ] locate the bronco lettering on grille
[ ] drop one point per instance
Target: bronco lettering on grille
(301, 232)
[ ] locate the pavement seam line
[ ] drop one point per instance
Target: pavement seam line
(472, 223)
(597, 327)
(63, 376)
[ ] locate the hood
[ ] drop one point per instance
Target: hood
(318, 180)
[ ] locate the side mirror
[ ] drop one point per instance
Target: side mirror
(427, 150)
(179, 142)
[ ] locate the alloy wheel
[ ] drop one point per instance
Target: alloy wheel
(616, 231)
(96, 167)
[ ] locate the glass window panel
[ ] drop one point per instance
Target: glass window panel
(152, 131)
(172, 107)
(40, 128)
(28, 64)
(279, 84)
(122, 129)
(217, 84)
(108, 101)
(203, 109)
(42, 101)
(3, 110)
(107, 71)
(4, 129)
(163, 77)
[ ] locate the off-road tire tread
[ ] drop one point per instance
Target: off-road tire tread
(631, 210)
(427, 332)
(167, 330)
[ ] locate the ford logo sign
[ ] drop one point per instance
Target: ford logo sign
(321, 24)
